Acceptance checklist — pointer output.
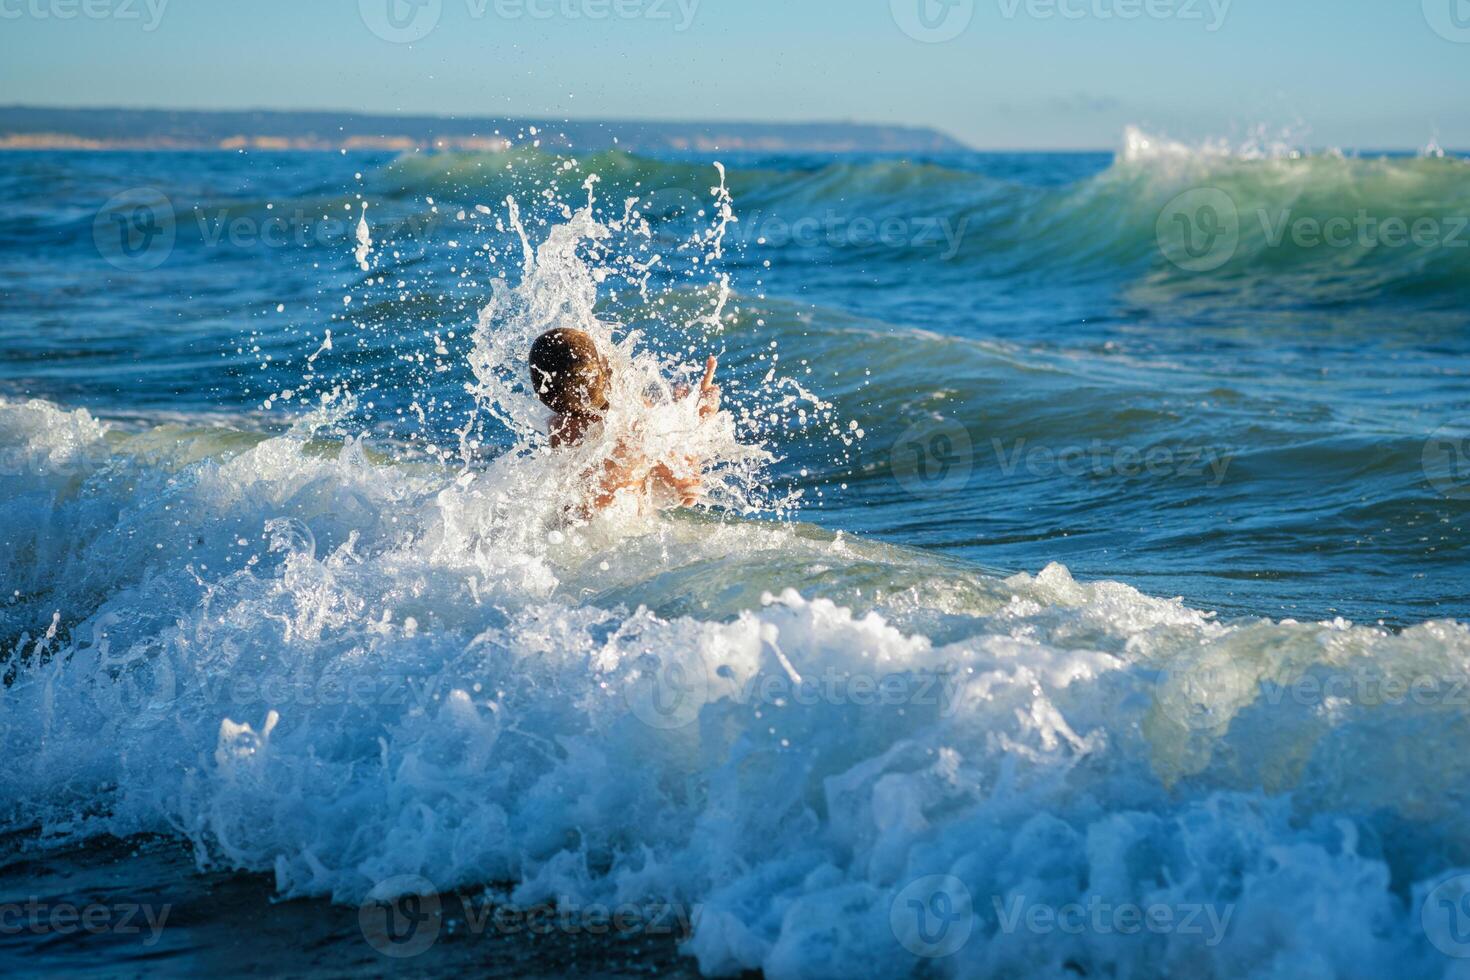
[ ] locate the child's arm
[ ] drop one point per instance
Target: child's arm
(686, 489)
(626, 470)
(617, 472)
(709, 392)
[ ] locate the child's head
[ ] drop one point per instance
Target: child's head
(569, 373)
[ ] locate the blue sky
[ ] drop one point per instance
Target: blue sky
(1016, 73)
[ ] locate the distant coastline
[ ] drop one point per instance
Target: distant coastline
(42, 128)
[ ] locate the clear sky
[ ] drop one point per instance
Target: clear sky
(1363, 74)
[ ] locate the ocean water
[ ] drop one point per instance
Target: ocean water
(1079, 587)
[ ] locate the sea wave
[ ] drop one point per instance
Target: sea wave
(319, 666)
(1320, 228)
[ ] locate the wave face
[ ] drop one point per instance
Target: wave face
(297, 584)
(1324, 229)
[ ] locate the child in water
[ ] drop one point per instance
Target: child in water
(574, 380)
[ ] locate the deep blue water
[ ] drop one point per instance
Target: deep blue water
(1020, 303)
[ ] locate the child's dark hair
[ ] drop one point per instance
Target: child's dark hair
(569, 373)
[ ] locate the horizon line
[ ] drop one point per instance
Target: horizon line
(614, 120)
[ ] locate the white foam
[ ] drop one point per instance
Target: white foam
(1141, 146)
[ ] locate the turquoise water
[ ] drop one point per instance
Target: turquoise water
(1140, 480)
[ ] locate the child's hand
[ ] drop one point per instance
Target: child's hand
(688, 489)
(709, 392)
(683, 487)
